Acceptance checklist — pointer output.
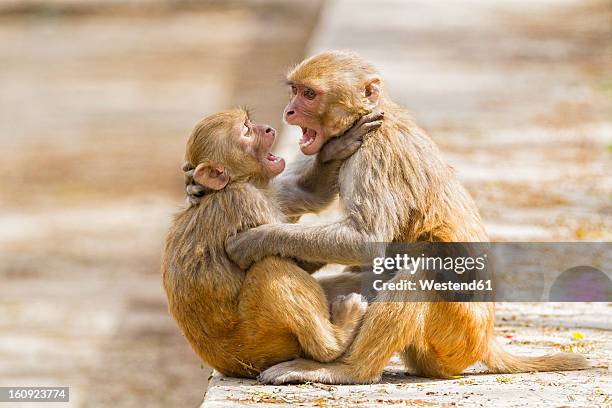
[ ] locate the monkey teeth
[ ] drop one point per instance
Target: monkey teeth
(308, 136)
(273, 158)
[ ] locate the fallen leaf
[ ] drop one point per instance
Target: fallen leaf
(577, 335)
(503, 379)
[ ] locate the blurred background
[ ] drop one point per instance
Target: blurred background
(97, 99)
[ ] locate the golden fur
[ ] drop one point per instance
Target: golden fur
(240, 322)
(395, 188)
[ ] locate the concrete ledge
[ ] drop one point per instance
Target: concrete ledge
(541, 328)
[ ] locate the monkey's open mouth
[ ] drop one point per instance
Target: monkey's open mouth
(311, 141)
(273, 158)
(308, 137)
(274, 164)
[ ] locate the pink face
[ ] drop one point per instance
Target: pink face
(257, 140)
(302, 111)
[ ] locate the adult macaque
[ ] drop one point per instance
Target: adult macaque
(395, 188)
(241, 323)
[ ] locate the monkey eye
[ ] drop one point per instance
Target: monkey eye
(309, 93)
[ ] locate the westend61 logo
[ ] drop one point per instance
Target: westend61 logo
(487, 272)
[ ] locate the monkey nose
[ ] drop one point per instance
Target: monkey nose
(289, 113)
(270, 130)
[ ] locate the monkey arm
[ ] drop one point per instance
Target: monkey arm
(309, 185)
(339, 242)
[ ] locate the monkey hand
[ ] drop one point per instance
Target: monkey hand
(342, 147)
(194, 191)
(246, 248)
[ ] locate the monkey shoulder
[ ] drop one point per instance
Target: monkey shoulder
(204, 228)
(394, 158)
(400, 143)
(249, 205)
(263, 205)
(377, 153)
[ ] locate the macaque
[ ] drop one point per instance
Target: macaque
(241, 323)
(395, 188)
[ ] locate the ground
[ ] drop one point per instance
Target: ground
(523, 328)
(97, 101)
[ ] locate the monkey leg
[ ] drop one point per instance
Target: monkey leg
(424, 362)
(455, 336)
(301, 306)
(389, 325)
(387, 328)
(321, 338)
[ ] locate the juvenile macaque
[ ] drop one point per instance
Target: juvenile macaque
(241, 323)
(395, 188)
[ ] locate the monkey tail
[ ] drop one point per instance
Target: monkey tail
(500, 361)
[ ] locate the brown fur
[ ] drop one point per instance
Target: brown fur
(241, 323)
(395, 188)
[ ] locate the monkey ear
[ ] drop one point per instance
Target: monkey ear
(211, 175)
(371, 92)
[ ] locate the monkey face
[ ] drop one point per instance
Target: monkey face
(256, 141)
(302, 111)
(329, 92)
(227, 146)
